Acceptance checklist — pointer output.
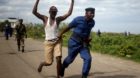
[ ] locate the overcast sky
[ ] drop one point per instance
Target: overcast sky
(111, 15)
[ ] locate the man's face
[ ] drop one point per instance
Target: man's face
(90, 15)
(20, 21)
(53, 13)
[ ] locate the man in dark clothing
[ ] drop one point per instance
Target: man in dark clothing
(7, 28)
(79, 41)
(11, 32)
(20, 34)
(99, 33)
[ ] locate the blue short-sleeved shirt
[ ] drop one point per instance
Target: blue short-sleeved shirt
(81, 26)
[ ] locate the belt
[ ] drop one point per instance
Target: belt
(53, 40)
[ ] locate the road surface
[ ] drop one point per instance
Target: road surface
(14, 64)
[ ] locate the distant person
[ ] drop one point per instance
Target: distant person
(53, 47)
(79, 41)
(129, 33)
(7, 28)
(125, 33)
(99, 33)
(11, 31)
(20, 35)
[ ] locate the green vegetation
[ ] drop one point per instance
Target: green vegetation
(108, 43)
(36, 31)
(117, 44)
(2, 26)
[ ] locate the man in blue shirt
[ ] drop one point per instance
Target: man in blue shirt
(7, 29)
(79, 41)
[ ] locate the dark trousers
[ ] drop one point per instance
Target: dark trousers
(74, 48)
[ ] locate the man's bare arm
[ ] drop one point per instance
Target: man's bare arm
(42, 17)
(61, 18)
(64, 31)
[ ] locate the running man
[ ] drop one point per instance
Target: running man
(79, 41)
(52, 45)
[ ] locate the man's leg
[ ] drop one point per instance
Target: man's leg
(18, 44)
(22, 44)
(86, 56)
(58, 55)
(41, 66)
(48, 55)
(6, 35)
(73, 48)
(59, 66)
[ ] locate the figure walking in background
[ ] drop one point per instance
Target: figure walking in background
(7, 28)
(99, 33)
(20, 35)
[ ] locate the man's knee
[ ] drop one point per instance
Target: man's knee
(47, 63)
(88, 59)
(68, 60)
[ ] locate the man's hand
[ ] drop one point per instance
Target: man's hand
(59, 37)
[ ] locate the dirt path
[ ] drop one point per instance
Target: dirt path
(14, 64)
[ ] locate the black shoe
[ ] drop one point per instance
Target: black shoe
(84, 76)
(22, 48)
(62, 72)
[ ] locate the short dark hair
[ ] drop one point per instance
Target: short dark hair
(90, 9)
(6, 21)
(20, 20)
(53, 8)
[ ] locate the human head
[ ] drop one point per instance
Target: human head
(20, 21)
(90, 13)
(6, 21)
(53, 11)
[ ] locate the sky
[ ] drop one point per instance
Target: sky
(110, 16)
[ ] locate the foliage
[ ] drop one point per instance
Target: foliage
(36, 31)
(116, 44)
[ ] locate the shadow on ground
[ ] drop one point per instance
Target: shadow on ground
(117, 76)
(12, 53)
(50, 77)
(93, 75)
(26, 51)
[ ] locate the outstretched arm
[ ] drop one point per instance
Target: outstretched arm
(64, 31)
(61, 18)
(42, 17)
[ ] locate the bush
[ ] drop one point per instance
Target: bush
(109, 43)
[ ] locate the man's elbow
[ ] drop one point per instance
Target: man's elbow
(34, 12)
(68, 14)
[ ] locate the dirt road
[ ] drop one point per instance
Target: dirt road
(14, 64)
